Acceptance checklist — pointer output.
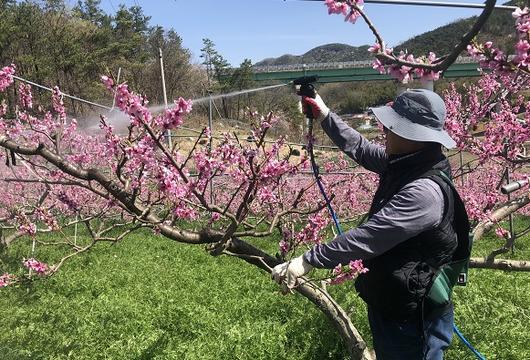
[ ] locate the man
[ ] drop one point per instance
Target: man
(410, 232)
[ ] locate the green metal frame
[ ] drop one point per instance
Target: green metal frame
(356, 74)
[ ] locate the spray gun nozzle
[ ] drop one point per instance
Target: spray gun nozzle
(304, 86)
(305, 80)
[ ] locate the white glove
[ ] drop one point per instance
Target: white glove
(287, 273)
(314, 108)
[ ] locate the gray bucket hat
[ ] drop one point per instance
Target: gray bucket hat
(418, 115)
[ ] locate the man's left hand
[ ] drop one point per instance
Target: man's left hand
(288, 272)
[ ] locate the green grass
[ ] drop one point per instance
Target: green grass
(150, 298)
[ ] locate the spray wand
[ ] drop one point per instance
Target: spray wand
(306, 88)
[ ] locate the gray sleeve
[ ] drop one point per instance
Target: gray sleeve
(416, 208)
(370, 156)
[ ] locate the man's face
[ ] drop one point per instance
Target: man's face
(396, 145)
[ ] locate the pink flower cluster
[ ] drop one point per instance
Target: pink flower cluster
(345, 8)
(185, 212)
(171, 183)
(26, 226)
(58, 104)
(342, 274)
(7, 279)
(131, 104)
(310, 234)
(480, 190)
(501, 232)
(6, 77)
(173, 117)
(35, 265)
(24, 96)
(406, 73)
(490, 57)
(401, 72)
(71, 204)
(522, 24)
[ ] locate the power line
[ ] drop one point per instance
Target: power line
(65, 95)
(433, 3)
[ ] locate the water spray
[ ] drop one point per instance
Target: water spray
(222, 96)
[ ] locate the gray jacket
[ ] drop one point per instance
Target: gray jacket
(417, 207)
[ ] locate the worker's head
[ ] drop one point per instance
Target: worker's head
(415, 119)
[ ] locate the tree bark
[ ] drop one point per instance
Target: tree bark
(499, 264)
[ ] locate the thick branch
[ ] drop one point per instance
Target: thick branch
(340, 319)
(115, 189)
(499, 214)
(500, 264)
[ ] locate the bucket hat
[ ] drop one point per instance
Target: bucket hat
(418, 115)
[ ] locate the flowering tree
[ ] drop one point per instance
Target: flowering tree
(113, 184)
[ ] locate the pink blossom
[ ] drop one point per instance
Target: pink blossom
(7, 279)
(186, 213)
(522, 47)
(358, 266)
(284, 247)
(215, 217)
(266, 195)
(173, 117)
(58, 104)
(6, 77)
(107, 81)
(35, 265)
(24, 96)
(341, 274)
(378, 65)
(517, 13)
(310, 234)
(501, 232)
(374, 48)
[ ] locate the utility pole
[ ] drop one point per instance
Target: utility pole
(168, 133)
(115, 93)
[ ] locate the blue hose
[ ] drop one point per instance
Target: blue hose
(316, 173)
(467, 343)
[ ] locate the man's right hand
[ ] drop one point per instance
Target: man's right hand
(314, 108)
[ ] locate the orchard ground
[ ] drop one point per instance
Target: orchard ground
(141, 299)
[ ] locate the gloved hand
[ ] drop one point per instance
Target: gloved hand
(286, 273)
(314, 108)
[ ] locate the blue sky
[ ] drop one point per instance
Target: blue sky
(257, 29)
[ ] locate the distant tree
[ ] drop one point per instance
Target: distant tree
(218, 71)
(90, 10)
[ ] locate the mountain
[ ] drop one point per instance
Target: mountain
(499, 28)
(322, 54)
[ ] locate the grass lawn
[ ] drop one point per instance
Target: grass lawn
(150, 298)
